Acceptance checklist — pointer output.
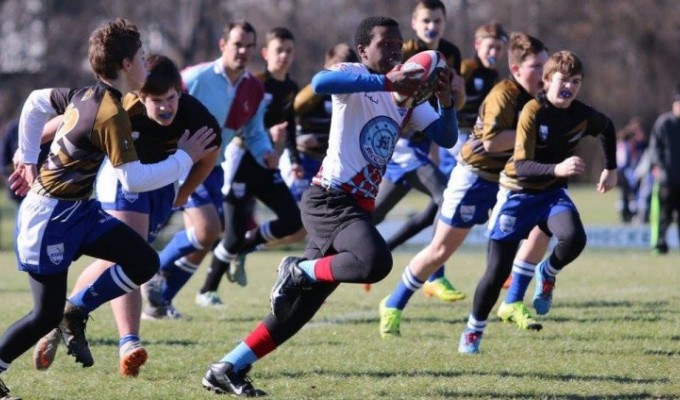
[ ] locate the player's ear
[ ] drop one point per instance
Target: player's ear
(361, 50)
(263, 52)
(514, 68)
(126, 64)
(222, 43)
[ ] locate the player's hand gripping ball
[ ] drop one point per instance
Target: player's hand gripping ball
(431, 61)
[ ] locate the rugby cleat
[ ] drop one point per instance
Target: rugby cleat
(222, 379)
(236, 271)
(518, 313)
(132, 357)
(543, 294)
(290, 282)
(209, 299)
(443, 290)
(72, 330)
(469, 342)
(390, 320)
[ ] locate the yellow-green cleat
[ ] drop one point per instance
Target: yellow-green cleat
(518, 313)
(390, 320)
(443, 290)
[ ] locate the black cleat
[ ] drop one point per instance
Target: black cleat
(222, 379)
(290, 282)
(4, 392)
(152, 290)
(72, 329)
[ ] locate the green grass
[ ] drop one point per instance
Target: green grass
(614, 332)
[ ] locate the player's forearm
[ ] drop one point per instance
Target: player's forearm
(137, 177)
(36, 112)
(531, 168)
(444, 131)
(198, 173)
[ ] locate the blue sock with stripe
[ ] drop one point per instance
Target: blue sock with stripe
(404, 290)
(476, 325)
(111, 284)
(175, 278)
(240, 357)
(522, 273)
(128, 338)
(183, 243)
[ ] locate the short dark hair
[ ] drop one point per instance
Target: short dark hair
(280, 33)
(241, 23)
(364, 32)
(430, 5)
(163, 76)
(676, 94)
(522, 46)
(565, 62)
(110, 44)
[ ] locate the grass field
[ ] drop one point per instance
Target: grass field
(614, 332)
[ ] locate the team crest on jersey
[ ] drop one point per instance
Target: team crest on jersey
(479, 84)
(507, 223)
(238, 189)
(377, 140)
(56, 253)
(467, 212)
(131, 197)
(135, 135)
(543, 132)
(402, 111)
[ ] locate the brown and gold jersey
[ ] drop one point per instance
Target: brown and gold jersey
(546, 136)
(281, 96)
(479, 81)
(155, 142)
(499, 112)
(95, 126)
(314, 118)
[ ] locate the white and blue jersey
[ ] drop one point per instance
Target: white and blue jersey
(365, 127)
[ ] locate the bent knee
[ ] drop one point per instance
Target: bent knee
(381, 266)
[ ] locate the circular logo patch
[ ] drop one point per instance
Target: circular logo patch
(377, 140)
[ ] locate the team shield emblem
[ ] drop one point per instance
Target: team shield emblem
(238, 189)
(56, 253)
(507, 223)
(467, 212)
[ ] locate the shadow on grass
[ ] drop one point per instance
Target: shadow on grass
(163, 342)
(453, 374)
(654, 305)
(570, 396)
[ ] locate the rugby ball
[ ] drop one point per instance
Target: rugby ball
(431, 62)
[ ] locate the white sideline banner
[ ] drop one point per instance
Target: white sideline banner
(599, 236)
